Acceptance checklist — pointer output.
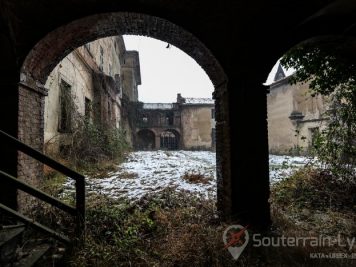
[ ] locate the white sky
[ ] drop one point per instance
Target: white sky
(167, 71)
(270, 77)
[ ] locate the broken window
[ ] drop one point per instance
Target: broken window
(66, 106)
(87, 111)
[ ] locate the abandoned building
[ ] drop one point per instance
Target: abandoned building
(294, 115)
(230, 40)
(187, 124)
(96, 82)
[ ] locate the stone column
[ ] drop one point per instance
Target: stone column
(223, 154)
(249, 152)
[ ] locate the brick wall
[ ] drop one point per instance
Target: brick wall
(30, 131)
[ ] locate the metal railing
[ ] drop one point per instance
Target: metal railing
(78, 211)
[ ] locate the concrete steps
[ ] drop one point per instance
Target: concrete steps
(19, 249)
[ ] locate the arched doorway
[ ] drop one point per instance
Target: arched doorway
(169, 140)
(145, 140)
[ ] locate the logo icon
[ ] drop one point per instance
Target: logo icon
(235, 239)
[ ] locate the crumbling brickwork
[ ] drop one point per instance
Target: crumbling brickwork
(30, 131)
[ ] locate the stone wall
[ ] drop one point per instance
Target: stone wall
(93, 74)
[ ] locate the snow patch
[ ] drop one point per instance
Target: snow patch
(148, 172)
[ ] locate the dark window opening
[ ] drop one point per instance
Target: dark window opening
(169, 119)
(101, 66)
(66, 105)
(109, 112)
(313, 133)
(213, 137)
(213, 113)
(88, 108)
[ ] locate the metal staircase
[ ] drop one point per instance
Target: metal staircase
(11, 235)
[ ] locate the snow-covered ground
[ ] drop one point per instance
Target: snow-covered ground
(283, 166)
(148, 172)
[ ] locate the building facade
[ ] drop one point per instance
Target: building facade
(294, 116)
(96, 82)
(187, 124)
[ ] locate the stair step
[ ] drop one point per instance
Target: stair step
(9, 232)
(10, 237)
(33, 256)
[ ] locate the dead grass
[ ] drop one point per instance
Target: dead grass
(196, 178)
(128, 175)
(177, 229)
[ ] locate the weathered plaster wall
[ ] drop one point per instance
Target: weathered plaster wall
(285, 135)
(76, 70)
(196, 125)
(130, 75)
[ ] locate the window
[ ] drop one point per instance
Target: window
(169, 119)
(213, 137)
(87, 110)
(213, 113)
(313, 133)
(101, 66)
(66, 105)
(109, 112)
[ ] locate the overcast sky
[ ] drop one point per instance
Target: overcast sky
(168, 71)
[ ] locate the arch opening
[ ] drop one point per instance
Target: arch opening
(76, 35)
(146, 140)
(169, 139)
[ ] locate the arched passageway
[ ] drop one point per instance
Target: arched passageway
(169, 140)
(40, 62)
(145, 140)
(46, 33)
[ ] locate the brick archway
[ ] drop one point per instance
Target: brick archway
(49, 51)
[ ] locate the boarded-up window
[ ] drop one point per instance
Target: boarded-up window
(65, 105)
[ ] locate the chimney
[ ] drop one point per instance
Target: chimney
(180, 99)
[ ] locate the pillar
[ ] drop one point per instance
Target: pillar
(249, 153)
